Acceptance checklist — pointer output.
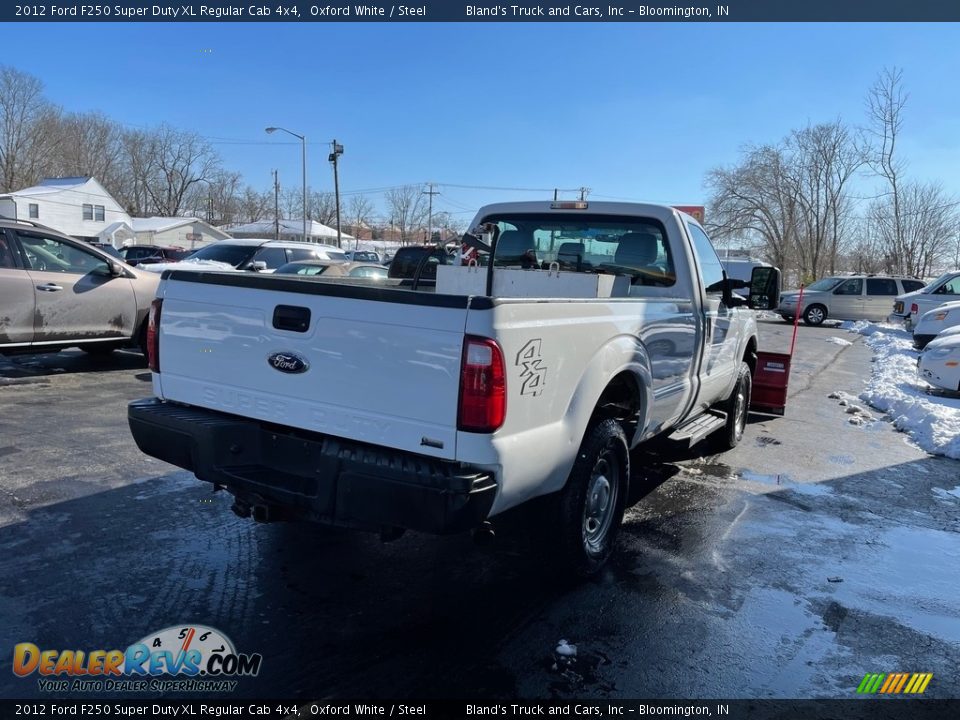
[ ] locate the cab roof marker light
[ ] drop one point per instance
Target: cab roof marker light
(569, 205)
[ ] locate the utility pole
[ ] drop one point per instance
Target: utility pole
(276, 205)
(583, 193)
(332, 157)
(431, 192)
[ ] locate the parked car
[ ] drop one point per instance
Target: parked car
(933, 322)
(846, 297)
(314, 268)
(147, 254)
(939, 363)
(108, 249)
(254, 254)
(58, 292)
(909, 306)
(367, 256)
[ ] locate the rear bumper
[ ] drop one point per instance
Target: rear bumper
(303, 475)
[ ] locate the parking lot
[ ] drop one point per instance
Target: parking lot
(817, 551)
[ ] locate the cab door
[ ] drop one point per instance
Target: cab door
(720, 362)
(76, 297)
(16, 295)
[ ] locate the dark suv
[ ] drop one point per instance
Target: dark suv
(405, 262)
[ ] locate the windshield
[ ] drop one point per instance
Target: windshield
(824, 284)
(235, 255)
(936, 282)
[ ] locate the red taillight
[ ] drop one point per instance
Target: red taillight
(914, 308)
(483, 387)
(153, 336)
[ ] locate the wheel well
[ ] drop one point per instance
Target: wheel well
(620, 400)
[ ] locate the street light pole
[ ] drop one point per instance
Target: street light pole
(337, 152)
(303, 141)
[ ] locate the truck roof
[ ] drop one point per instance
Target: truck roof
(579, 207)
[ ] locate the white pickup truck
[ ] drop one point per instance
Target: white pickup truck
(435, 409)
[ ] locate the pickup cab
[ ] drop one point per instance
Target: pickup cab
(589, 328)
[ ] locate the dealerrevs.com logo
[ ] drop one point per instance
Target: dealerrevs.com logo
(193, 658)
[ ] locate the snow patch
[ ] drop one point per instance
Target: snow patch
(947, 494)
(933, 422)
(838, 341)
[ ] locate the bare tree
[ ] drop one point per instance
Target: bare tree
(253, 206)
(27, 130)
(408, 210)
(885, 102)
(756, 199)
(90, 144)
(360, 212)
(928, 222)
(322, 207)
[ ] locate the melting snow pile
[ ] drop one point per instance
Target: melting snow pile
(932, 421)
(838, 341)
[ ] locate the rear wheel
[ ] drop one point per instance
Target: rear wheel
(737, 407)
(815, 315)
(588, 511)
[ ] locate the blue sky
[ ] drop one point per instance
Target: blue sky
(638, 111)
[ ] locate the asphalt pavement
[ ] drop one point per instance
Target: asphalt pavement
(824, 547)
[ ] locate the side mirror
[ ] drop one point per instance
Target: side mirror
(764, 288)
(115, 270)
(257, 266)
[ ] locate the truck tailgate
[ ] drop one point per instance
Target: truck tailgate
(383, 365)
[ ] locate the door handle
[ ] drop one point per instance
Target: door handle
(50, 287)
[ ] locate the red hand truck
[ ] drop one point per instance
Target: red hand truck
(772, 375)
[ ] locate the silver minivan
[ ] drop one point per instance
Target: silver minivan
(847, 297)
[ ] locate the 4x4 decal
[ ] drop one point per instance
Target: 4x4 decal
(533, 373)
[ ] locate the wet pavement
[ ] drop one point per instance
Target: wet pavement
(819, 550)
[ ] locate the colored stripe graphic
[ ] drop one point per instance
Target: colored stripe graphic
(894, 683)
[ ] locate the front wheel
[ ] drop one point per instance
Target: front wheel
(737, 406)
(589, 509)
(815, 315)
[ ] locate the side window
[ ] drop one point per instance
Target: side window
(911, 285)
(34, 211)
(711, 271)
(274, 257)
(55, 255)
(853, 286)
(881, 286)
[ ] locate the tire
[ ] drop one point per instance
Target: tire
(588, 511)
(737, 407)
(815, 315)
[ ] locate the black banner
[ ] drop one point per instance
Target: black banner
(855, 709)
(482, 11)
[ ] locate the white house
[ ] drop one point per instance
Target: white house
(77, 206)
(185, 232)
(289, 230)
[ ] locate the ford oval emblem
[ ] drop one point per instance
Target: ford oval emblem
(288, 362)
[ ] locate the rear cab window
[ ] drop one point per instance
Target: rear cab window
(631, 246)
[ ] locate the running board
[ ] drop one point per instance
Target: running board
(695, 430)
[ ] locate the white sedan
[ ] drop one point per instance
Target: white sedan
(933, 322)
(939, 363)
